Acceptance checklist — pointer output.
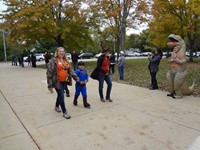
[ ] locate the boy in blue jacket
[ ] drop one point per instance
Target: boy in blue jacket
(81, 85)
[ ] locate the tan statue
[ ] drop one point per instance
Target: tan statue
(176, 76)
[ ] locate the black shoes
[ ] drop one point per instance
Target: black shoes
(87, 105)
(108, 99)
(151, 88)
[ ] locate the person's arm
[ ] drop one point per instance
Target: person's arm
(155, 58)
(49, 73)
(120, 61)
(86, 76)
(181, 59)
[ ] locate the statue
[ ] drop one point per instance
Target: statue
(177, 73)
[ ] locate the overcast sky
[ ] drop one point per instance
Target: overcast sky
(2, 6)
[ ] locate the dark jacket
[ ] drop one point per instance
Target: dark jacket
(99, 64)
(74, 57)
(154, 63)
(112, 59)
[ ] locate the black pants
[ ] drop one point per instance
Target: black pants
(112, 68)
(153, 79)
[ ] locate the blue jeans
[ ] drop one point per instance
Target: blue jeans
(81, 89)
(60, 101)
(121, 72)
(109, 85)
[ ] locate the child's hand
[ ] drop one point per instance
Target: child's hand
(82, 82)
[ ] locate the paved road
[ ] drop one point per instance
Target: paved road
(138, 119)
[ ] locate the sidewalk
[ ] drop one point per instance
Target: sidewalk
(138, 119)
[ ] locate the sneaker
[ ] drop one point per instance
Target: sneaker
(66, 115)
(57, 109)
(103, 100)
(108, 99)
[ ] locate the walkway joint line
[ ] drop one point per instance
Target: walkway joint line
(20, 121)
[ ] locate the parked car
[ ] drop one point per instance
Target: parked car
(97, 55)
(39, 57)
(25, 58)
(145, 53)
(133, 54)
(86, 56)
(69, 56)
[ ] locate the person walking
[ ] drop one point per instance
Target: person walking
(56, 76)
(103, 65)
(74, 59)
(81, 85)
(112, 63)
(121, 65)
(154, 61)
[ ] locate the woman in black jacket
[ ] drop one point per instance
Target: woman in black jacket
(154, 61)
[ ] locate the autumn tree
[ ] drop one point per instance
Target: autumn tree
(119, 15)
(61, 20)
(179, 17)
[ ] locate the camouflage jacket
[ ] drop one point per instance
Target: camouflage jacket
(52, 74)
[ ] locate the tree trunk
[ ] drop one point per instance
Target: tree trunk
(123, 26)
(59, 40)
(191, 46)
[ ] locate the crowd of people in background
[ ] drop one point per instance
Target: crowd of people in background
(30, 59)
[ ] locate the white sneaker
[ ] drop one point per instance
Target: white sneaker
(57, 109)
(66, 115)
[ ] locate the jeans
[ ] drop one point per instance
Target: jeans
(121, 72)
(81, 89)
(154, 80)
(60, 101)
(101, 82)
(112, 68)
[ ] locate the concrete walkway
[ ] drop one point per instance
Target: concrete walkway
(138, 119)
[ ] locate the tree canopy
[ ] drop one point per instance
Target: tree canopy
(179, 17)
(61, 20)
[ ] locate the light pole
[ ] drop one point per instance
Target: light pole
(4, 45)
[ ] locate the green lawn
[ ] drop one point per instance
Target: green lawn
(136, 73)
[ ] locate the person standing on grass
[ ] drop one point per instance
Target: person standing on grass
(56, 76)
(154, 61)
(121, 65)
(103, 67)
(112, 63)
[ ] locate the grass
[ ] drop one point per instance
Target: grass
(136, 73)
